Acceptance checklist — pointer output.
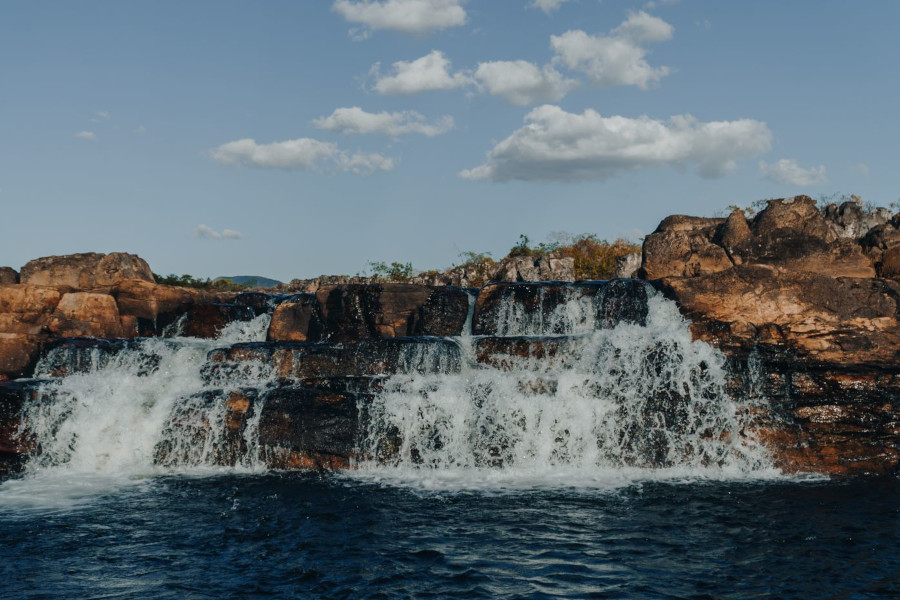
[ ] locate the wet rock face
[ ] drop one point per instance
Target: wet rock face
(545, 308)
(90, 271)
(365, 358)
(303, 428)
(353, 312)
(208, 320)
(14, 448)
(815, 418)
(68, 356)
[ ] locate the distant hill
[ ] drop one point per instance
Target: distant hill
(263, 282)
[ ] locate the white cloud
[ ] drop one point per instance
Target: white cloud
(617, 58)
(141, 129)
(548, 6)
(302, 154)
(788, 172)
(209, 233)
(356, 120)
(520, 82)
(86, 135)
(103, 114)
(561, 146)
(409, 16)
(429, 73)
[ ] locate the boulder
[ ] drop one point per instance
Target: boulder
(628, 265)
(89, 271)
(86, 314)
(682, 246)
(297, 320)
(25, 312)
(8, 275)
(790, 234)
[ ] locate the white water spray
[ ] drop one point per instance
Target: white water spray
(606, 405)
(131, 411)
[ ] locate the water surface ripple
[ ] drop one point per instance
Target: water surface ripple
(311, 536)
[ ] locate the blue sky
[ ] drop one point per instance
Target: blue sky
(291, 139)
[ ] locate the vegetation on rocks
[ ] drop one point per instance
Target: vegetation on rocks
(189, 281)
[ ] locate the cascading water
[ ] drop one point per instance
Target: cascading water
(131, 409)
(580, 385)
(556, 397)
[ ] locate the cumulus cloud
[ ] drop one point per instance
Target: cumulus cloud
(408, 16)
(302, 154)
(560, 146)
(356, 120)
(209, 233)
(426, 74)
(548, 6)
(521, 82)
(788, 172)
(86, 135)
(617, 58)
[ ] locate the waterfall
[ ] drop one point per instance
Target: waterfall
(566, 390)
(127, 407)
(547, 382)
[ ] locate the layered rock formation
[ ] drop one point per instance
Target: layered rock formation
(804, 303)
(101, 295)
(797, 290)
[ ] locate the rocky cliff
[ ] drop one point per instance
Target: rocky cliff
(812, 297)
(804, 303)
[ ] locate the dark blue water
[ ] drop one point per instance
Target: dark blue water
(311, 536)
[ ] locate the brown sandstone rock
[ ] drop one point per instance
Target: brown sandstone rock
(682, 246)
(86, 314)
(147, 300)
(790, 234)
(297, 321)
(25, 312)
(854, 320)
(90, 271)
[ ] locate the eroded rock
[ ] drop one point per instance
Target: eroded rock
(89, 271)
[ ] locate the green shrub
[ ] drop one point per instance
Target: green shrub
(399, 272)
